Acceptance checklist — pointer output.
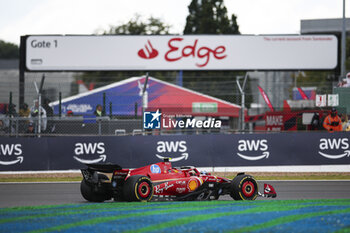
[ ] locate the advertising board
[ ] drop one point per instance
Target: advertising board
(212, 150)
(186, 52)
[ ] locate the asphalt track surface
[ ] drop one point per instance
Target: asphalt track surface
(33, 194)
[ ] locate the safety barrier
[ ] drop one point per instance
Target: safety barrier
(211, 150)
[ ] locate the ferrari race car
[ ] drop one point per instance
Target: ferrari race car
(162, 181)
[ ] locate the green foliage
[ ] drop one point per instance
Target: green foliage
(152, 26)
(8, 50)
(210, 17)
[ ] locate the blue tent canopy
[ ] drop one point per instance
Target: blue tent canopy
(124, 95)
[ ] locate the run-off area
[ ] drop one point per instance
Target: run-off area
(315, 215)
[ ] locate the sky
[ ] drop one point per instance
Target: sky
(27, 17)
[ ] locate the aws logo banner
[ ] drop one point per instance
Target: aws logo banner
(253, 149)
(174, 150)
(334, 148)
(11, 154)
(90, 152)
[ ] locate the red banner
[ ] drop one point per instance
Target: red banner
(302, 93)
(266, 98)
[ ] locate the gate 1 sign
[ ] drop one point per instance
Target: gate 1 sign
(190, 52)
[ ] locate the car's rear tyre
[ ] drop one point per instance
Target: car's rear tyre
(244, 187)
(92, 193)
(138, 188)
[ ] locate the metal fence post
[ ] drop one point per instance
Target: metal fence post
(60, 104)
(16, 119)
(241, 90)
(110, 110)
(104, 104)
(99, 127)
(10, 112)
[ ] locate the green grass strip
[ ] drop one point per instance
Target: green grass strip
(205, 217)
(288, 219)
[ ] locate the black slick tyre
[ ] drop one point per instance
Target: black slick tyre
(90, 193)
(138, 188)
(244, 187)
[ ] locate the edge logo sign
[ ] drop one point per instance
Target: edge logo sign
(249, 146)
(178, 49)
(86, 149)
(148, 52)
(171, 147)
(7, 150)
(334, 144)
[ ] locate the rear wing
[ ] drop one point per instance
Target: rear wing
(90, 174)
(105, 168)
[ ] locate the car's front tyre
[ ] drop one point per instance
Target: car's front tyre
(244, 187)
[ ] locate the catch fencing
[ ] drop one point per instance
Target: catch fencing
(279, 86)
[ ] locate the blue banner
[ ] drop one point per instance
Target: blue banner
(62, 153)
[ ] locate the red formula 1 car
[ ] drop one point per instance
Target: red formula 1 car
(162, 181)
